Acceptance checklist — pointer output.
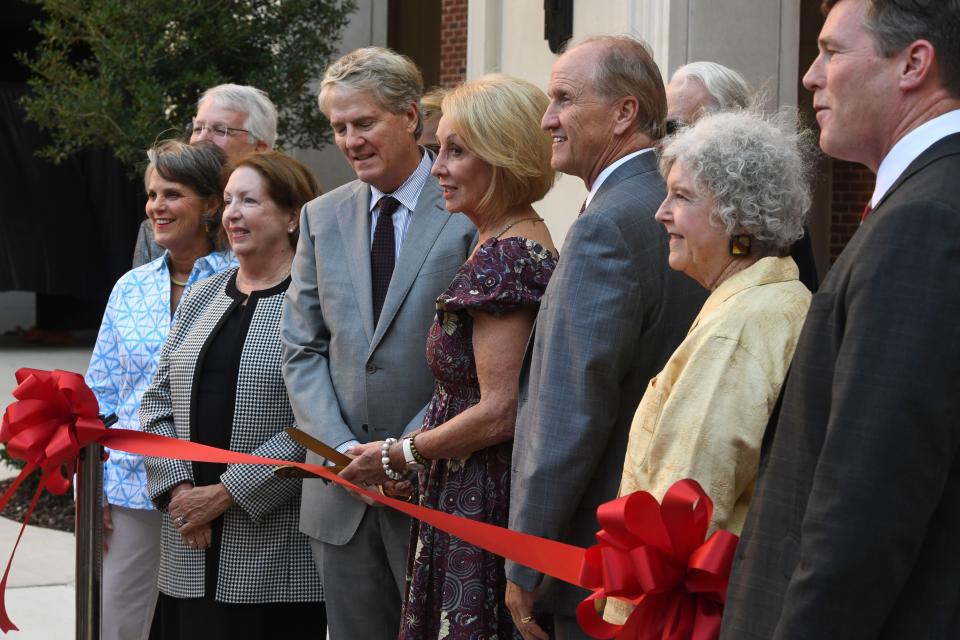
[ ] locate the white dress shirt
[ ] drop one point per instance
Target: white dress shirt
(407, 195)
(610, 169)
(909, 148)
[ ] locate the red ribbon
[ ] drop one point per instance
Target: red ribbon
(654, 557)
(56, 415)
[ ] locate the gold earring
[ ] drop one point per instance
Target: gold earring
(740, 245)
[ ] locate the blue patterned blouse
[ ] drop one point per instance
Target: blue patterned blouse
(134, 328)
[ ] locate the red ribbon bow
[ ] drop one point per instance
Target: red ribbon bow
(54, 417)
(655, 557)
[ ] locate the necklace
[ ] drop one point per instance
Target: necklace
(516, 222)
(177, 282)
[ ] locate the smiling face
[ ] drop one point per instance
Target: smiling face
(464, 176)
(255, 225)
(853, 88)
(378, 144)
(698, 248)
(176, 212)
(580, 120)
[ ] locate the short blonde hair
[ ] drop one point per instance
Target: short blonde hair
(431, 101)
(498, 118)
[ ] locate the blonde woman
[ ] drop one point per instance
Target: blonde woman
(494, 161)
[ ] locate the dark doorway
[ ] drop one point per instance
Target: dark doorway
(413, 29)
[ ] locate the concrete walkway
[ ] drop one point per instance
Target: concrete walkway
(40, 588)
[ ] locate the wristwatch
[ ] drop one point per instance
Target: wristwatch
(408, 456)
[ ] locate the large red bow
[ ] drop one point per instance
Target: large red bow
(54, 417)
(655, 557)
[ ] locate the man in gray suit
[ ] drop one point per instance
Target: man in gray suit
(373, 256)
(612, 314)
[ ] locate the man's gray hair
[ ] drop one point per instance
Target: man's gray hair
(727, 88)
(755, 168)
(393, 79)
(261, 119)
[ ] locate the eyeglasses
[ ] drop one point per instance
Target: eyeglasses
(433, 147)
(218, 130)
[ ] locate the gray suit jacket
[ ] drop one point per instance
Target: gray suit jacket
(612, 314)
(855, 521)
(347, 378)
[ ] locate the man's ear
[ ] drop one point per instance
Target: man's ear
(412, 114)
(628, 110)
(917, 63)
(260, 146)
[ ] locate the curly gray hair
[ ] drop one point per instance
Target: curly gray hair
(756, 169)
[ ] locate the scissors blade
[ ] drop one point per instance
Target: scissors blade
(290, 471)
(318, 447)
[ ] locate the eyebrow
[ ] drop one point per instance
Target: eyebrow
(826, 41)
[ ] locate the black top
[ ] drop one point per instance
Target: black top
(217, 371)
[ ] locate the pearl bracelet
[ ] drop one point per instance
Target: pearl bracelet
(385, 459)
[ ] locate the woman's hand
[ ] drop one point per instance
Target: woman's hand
(193, 508)
(200, 538)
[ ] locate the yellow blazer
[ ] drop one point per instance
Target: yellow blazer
(703, 416)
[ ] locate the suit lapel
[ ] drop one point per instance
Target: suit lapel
(644, 163)
(355, 227)
(425, 226)
(947, 146)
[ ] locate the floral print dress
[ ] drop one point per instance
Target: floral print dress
(455, 590)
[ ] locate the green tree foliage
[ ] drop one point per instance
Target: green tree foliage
(121, 73)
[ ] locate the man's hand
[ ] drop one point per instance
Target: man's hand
(191, 509)
(520, 603)
(401, 489)
(366, 467)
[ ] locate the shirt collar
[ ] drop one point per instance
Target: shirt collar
(206, 265)
(764, 271)
(909, 148)
(409, 192)
(610, 169)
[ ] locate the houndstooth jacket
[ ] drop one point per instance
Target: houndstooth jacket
(263, 556)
